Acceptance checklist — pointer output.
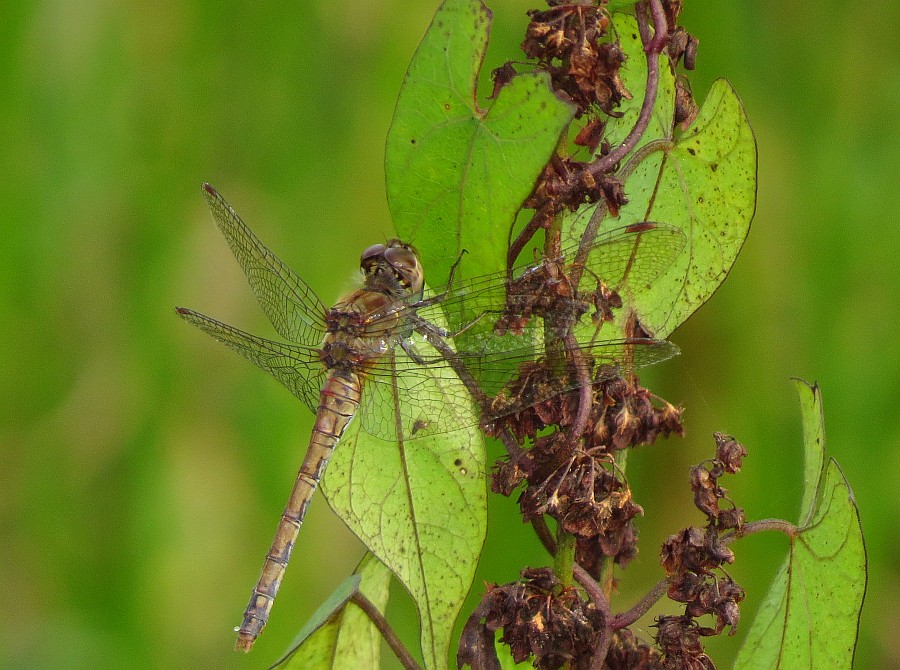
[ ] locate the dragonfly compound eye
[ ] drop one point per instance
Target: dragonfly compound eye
(372, 252)
(370, 258)
(405, 263)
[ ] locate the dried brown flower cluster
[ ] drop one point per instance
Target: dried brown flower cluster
(566, 184)
(539, 618)
(678, 638)
(577, 413)
(623, 413)
(580, 487)
(626, 652)
(705, 483)
(571, 42)
(566, 40)
(542, 292)
(690, 558)
(693, 558)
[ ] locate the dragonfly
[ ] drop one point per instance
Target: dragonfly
(378, 354)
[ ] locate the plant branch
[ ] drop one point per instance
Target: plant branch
(652, 47)
(436, 340)
(643, 606)
(518, 244)
(386, 631)
(544, 535)
(585, 387)
(762, 526)
(601, 602)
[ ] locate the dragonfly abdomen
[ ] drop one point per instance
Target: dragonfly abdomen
(338, 402)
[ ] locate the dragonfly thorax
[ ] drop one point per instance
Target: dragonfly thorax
(350, 354)
(359, 330)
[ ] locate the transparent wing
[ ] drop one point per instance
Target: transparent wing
(297, 367)
(413, 390)
(632, 257)
(425, 395)
(405, 399)
(625, 259)
(422, 395)
(291, 305)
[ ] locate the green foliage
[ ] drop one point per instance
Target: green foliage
(141, 461)
(810, 616)
(420, 507)
(457, 174)
(702, 182)
(339, 635)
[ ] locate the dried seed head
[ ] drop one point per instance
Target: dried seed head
(729, 452)
(678, 638)
(539, 618)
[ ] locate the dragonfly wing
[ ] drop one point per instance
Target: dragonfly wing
(295, 366)
(625, 259)
(630, 258)
(406, 399)
(605, 360)
(291, 305)
(410, 397)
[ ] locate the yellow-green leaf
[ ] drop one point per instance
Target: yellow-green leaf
(810, 616)
(339, 636)
(456, 173)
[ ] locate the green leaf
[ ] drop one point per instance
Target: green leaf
(615, 5)
(339, 634)
(418, 503)
(810, 616)
(703, 183)
(457, 174)
(814, 446)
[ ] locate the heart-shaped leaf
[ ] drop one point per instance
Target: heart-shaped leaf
(457, 174)
(339, 635)
(810, 616)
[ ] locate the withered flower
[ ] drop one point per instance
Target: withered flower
(539, 618)
(729, 452)
(678, 638)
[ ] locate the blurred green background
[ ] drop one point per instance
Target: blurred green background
(144, 466)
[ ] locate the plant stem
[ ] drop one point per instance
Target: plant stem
(595, 593)
(642, 607)
(564, 560)
(762, 526)
(386, 631)
(652, 47)
(607, 563)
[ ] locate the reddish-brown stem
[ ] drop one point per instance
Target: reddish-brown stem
(386, 631)
(762, 526)
(607, 162)
(641, 607)
(601, 602)
(585, 390)
(652, 47)
(594, 591)
(544, 535)
(516, 246)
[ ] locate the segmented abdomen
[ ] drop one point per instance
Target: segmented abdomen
(338, 402)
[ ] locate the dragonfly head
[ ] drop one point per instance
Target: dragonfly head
(392, 268)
